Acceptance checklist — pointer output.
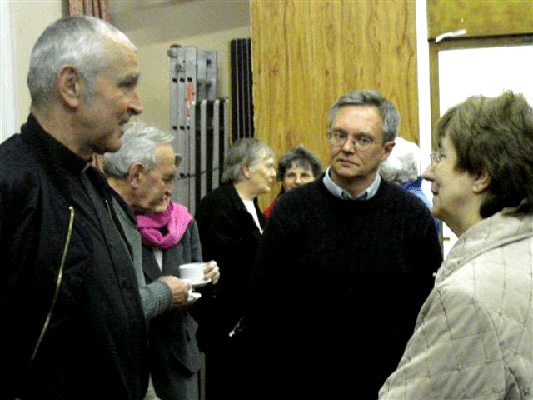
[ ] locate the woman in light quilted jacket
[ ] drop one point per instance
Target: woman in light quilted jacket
(474, 335)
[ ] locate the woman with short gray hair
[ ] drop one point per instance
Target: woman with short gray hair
(403, 167)
(247, 151)
(230, 226)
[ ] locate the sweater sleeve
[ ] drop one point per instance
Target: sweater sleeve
(156, 299)
(454, 353)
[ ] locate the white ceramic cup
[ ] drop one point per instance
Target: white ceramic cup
(192, 271)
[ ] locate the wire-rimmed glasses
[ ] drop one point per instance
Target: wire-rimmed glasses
(339, 138)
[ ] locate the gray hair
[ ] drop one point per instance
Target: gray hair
(389, 115)
(403, 164)
(301, 157)
(249, 151)
(139, 143)
(78, 41)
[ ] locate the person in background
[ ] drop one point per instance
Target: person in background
(143, 172)
(343, 268)
(474, 334)
(403, 167)
(73, 324)
(230, 224)
(295, 168)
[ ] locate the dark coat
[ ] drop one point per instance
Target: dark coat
(174, 349)
(230, 237)
(53, 214)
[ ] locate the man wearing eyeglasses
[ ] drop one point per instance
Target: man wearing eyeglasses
(357, 261)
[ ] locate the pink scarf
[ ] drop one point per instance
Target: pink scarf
(176, 218)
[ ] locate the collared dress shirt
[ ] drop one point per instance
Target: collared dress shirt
(343, 194)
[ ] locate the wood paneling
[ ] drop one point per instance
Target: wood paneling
(307, 53)
(480, 17)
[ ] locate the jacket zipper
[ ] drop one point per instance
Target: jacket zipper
(58, 283)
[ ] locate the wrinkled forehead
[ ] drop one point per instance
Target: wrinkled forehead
(261, 156)
(166, 158)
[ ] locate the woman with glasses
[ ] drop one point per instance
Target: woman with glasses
(474, 335)
(295, 168)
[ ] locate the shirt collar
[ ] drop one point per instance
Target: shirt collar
(338, 191)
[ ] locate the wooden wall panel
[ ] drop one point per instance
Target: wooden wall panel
(480, 17)
(307, 53)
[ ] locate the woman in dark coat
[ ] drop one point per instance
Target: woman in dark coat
(230, 225)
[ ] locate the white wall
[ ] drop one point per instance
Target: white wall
(8, 110)
(30, 18)
(207, 25)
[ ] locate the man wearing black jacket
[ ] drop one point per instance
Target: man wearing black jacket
(70, 310)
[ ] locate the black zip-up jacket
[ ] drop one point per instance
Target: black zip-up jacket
(72, 325)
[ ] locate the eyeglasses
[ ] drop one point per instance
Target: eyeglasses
(339, 139)
(436, 156)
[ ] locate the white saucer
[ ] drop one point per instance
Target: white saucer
(200, 284)
(193, 296)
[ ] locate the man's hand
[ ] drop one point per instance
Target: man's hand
(180, 290)
(211, 271)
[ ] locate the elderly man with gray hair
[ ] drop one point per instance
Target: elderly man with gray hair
(143, 173)
(72, 321)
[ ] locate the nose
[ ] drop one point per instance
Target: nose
(348, 145)
(428, 173)
(169, 190)
(298, 180)
(135, 104)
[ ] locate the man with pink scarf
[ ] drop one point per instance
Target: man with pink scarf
(143, 174)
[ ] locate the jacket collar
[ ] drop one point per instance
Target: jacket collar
(490, 233)
(235, 198)
(48, 149)
(416, 184)
(128, 212)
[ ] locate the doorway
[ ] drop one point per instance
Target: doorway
(466, 67)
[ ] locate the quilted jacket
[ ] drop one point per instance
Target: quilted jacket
(474, 335)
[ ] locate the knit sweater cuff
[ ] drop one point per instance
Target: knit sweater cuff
(156, 299)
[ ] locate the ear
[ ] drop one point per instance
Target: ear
(246, 171)
(136, 175)
(70, 85)
(481, 182)
(387, 149)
